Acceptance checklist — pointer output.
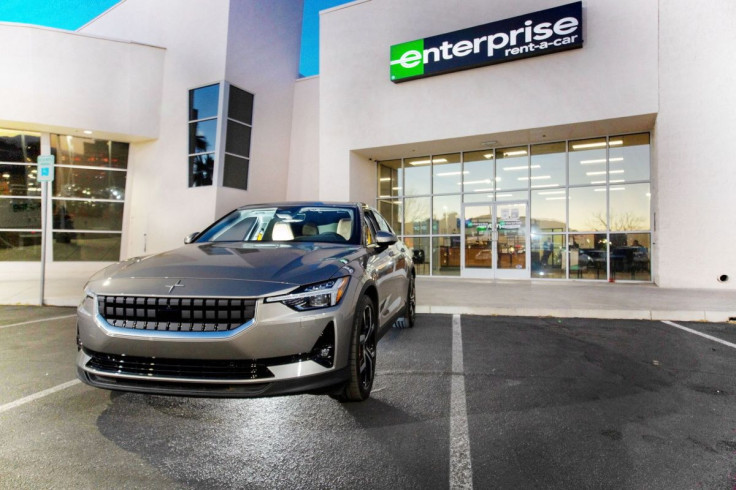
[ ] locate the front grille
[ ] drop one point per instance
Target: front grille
(200, 369)
(176, 314)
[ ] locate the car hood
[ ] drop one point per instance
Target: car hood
(225, 269)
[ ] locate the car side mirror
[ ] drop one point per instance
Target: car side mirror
(190, 238)
(384, 238)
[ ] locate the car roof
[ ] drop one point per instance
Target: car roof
(305, 203)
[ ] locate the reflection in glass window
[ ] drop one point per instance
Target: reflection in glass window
(630, 256)
(19, 180)
(416, 215)
(478, 174)
(201, 168)
(389, 179)
(447, 174)
(203, 102)
(417, 176)
(446, 215)
(446, 256)
(20, 246)
(629, 161)
(512, 169)
(202, 136)
(86, 246)
(505, 196)
(588, 162)
(588, 256)
(87, 215)
(20, 213)
(19, 146)
(419, 247)
(588, 209)
(391, 210)
(630, 207)
(89, 183)
(548, 256)
(548, 165)
(88, 152)
(549, 209)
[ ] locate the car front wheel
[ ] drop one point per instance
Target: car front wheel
(362, 354)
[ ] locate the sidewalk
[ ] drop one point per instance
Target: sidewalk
(573, 299)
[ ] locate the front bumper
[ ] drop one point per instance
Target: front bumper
(282, 341)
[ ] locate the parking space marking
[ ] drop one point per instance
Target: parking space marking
(704, 335)
(36, 396)
(461, 471)
(37, 321)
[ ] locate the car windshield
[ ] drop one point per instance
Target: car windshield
(285, 224)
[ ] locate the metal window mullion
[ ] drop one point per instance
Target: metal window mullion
(218, 170)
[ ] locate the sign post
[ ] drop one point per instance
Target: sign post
(44, 175)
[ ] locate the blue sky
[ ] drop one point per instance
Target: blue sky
(73, 14)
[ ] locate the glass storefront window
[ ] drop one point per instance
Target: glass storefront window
(630, 207)
(447, 174)
(629, 161)
(89, 183)
(72, 246)
(478, 174)
(587, 161)
(416, 215)
(201, 168)
(548, 256)
(549, 210)
(505, 196)
(512, 168)
(588, 256)
(548, 165)
(20, 246)
(588, 209)
(88, 152)
(421, 253)
(19, 180)
(20, 213)
(446, 215)
(630, 256)
(446, 256)
(391, 210)
(417, 176)
(203, 102)
(87, 215)
(389, 179)
(202, 136)
(19, 146)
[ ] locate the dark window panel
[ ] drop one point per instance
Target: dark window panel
(19, 180)
(17, 146)
(238, 139)
(235, 172)
(73, 150)
(240, 106)
(119, 154)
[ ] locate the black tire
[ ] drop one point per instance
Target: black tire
(410, 310)
(362, 360)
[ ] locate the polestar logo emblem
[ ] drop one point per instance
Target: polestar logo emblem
(172, 286)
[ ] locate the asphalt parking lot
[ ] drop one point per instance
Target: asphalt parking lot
(459, 401)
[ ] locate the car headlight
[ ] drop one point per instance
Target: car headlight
(314, 296)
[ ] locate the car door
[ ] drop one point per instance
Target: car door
(390, 278)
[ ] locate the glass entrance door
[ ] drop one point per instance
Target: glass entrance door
(495, 241)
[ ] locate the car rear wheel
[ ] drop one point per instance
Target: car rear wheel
(362, 354)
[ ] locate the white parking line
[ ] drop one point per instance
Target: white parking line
(37, 321)
(36, 396)
(704, 335)
(461, 471)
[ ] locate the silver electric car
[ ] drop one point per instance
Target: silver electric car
(271, 299)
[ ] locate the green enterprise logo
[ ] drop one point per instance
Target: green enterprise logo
(407, 59)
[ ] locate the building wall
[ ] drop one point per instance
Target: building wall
(303, 175)
(263, 58)
(694, 171)
(613, 76)
(65, 82)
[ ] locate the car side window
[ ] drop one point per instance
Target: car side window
(381, 223)
(369, 231)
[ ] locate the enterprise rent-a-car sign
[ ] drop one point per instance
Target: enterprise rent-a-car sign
(539, 33)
